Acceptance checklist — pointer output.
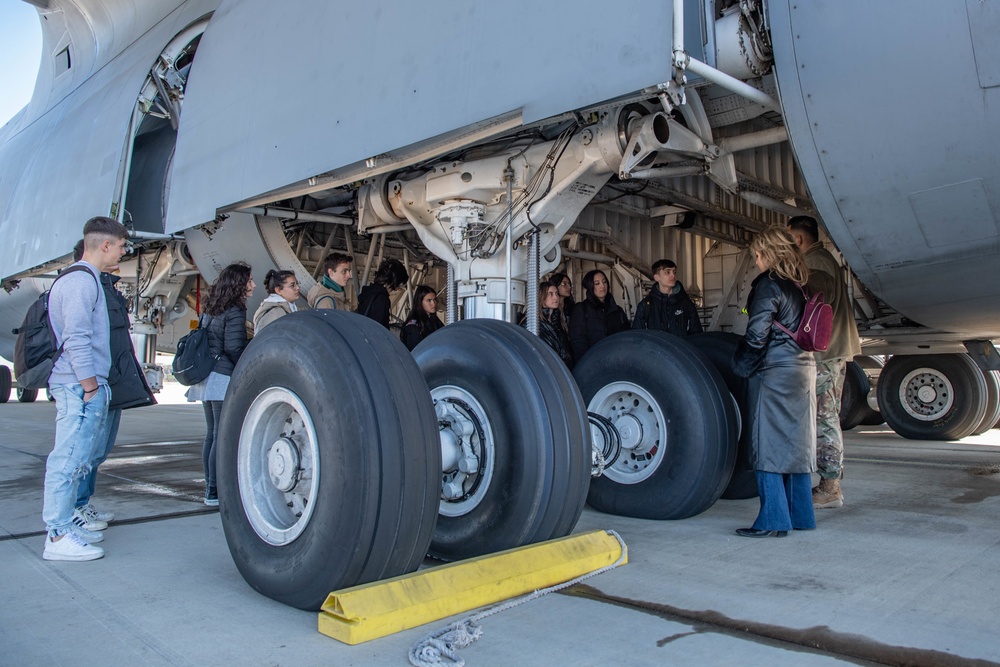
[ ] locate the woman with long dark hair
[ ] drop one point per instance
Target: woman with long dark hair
(781, 392)
(550, 323)
(422, 320)
(225, 317)
(374, 299)
(565, 287)
(597, 316)
(282, 293)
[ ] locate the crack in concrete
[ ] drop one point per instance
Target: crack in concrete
(820, 639)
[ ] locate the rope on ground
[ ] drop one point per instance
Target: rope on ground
(432, 650)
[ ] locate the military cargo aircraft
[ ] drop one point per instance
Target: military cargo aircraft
(487, 144)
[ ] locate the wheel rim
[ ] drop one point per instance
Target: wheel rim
(926, 394)
(642, 426)
(468, 451)
(278, 463)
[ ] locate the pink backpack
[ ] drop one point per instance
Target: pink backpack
(816, 325)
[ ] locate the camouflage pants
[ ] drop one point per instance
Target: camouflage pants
(829, 438)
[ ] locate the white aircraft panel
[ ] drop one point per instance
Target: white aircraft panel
(906, 177)
(71, 153)
(282, 92)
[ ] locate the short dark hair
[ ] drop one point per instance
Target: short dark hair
(663, 264)
(78, 251)
(334, 260)
(104, 226)
(275, 279)
(391, 274)
(805, 224)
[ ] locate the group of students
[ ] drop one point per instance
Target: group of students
(225, 318)
(782, 378)
(571, 328)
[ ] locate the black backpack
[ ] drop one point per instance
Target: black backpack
(193, 361)
(35, 349)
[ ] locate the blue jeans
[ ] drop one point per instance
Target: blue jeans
(213, 409)
(785, 501)
(79, 426)
(105, 441)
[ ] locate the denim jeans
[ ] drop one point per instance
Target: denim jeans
(213, 409)
(785, 501)
(105, 441)
(79, 426)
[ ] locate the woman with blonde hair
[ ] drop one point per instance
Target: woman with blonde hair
(781, 392)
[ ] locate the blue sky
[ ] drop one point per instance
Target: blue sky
(20, 51)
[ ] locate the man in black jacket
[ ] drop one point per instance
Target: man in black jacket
(128, 390)
(667, 307)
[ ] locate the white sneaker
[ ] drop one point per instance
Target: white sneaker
(70, 547)
(88, 520)
(93, 513)
(89, 536)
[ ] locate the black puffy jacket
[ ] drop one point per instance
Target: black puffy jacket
(374, 302)
(415, 331)
(227, 338)
(550, 330)
(592, 321)
(674, 313)
(125, 378)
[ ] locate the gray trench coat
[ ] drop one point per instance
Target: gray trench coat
(781, 395)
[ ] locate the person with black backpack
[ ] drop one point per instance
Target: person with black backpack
(128, 390)
(78, 314)
(225, 318)
(781, 392)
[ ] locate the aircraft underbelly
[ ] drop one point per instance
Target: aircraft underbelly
(277, 96)
(893, 110)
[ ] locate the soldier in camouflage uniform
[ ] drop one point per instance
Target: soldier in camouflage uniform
(831, 366)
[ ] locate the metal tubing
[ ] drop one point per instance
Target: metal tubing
(730, 83)
(774, 135)
(322, 255)
(305, 216)
(775, 205)
(508, 175)
(388, 228)
(368, 261)
(451, 305)
(678, 29)
(531, 298)
(670, 172)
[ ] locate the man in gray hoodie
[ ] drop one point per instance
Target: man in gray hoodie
(78, 313)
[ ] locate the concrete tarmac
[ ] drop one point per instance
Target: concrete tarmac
(905, 574)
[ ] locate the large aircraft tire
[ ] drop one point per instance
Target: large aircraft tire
(853, 401)
(26, 395)
(504, 396)
(678, 425)
(872, 366)
(6, 382)
(328, 458)
(719, 347)
(992, 402)
(932, 397)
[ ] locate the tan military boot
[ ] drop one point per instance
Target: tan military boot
(827, 495)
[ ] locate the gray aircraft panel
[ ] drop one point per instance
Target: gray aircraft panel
(274, 98)
(71, 153)
(864, 105)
